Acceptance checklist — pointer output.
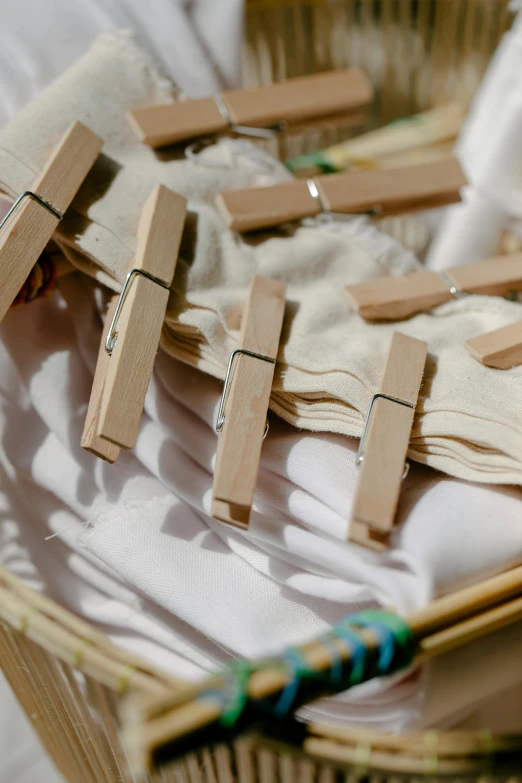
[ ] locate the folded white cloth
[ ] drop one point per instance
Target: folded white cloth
(197, 42)
(490, 150)
(167, 581)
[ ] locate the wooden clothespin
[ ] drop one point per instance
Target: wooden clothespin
(31, 221)
(393, 298)
(241, 419)
(501, 348)
(295, 102)
(379, 193)
(91, 441)
(131, 343)
(384, 443)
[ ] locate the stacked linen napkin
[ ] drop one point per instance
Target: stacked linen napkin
(137, 554)
(330, 360)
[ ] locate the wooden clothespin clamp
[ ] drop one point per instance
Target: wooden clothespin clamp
(501, 348)
(376, 193)
(384, 443)
(31, 221)
(241, 421)
(393, 298)
(262, 112)
(133, 329)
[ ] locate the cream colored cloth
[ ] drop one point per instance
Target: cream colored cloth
(330, 361)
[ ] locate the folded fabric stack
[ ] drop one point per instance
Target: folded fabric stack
(134, 548)
(330, 359)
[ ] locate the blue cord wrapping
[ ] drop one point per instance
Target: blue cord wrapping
(357, 649)
(298, 669)
(395, 651)
(396, 642)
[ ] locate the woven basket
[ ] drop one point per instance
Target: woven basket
(68, 679)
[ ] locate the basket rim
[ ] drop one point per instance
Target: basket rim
(80, 645)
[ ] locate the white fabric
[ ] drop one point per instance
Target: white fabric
(490, 150)
(196, 41)
(165, 580)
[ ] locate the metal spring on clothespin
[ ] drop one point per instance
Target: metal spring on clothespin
(30, 223)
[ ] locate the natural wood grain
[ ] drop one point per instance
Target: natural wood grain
(169, 123)
(444, 624)
(466, 602)
(495, 276)
(391, 191)
(159, 233)
(64, 643)
(139, 327)
(387, 440)
(392, 298)
(365, 536)
(254, 208)
(21, 243)
(501, 348)
(295, 101)
(404, 368)
(394, 191)
(397, 765)
(300, 99)
(472, 628)
(240, 442)
(68, 166)
(91, 441)
(31, 226)
(131, 363)
(82, 629)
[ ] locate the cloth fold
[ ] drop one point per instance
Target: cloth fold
(135, 551)
(330, 360)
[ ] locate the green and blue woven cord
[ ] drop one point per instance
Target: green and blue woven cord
(351, 663)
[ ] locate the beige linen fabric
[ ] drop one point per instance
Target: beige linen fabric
(469, 421)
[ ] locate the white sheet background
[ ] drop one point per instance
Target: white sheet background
(196, 41)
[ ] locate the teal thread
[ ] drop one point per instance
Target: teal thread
(357, 650)
(396, 642)
(298, 670)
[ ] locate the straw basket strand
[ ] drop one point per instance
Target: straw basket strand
(68, 677)
(77, 719)
(417, 53)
